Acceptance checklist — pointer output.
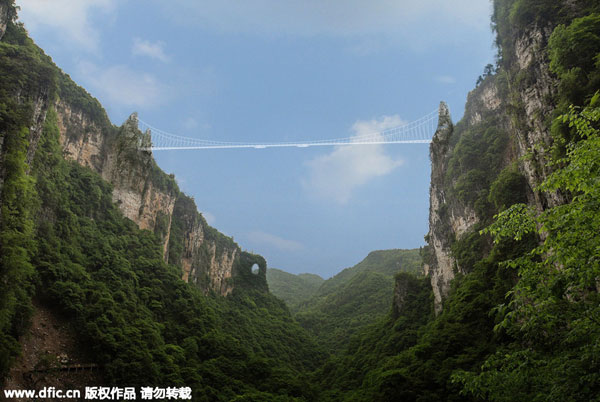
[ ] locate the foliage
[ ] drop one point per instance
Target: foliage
(576, 46)
(475, 162)
(574, 52)
(510, 187)
(512, 19)
(460, 337)
(18, 199)
(144, 324)
(17, 244)
(355, 297)
(554, 309)
(488, 71)
(64, 241)
(523, 324)
(357, 373)
(79, 99)
(292, 289)
(386, 262)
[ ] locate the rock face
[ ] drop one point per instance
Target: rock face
(531, 128)
(113, 154)
(3, 19)
(87, 150)
(207, 257)
(450, 217)
(150, 198)
(402, 288)
(521, 108)
(143, 192)
(40, 107)
(440, 267)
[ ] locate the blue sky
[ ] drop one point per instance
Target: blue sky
(269, 70)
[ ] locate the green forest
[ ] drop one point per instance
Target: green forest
(521, 321)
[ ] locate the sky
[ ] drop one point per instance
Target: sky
(271, 71)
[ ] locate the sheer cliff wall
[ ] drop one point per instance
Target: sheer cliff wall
(516, 102)
(151, 198)
(142, 191)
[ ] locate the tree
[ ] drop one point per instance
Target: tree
(554, 310)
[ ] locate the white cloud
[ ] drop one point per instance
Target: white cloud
(146, 48)
(341, 17)
(267, 239)
(70, 18)
(336, 175)
(445, 79)
(120, 85)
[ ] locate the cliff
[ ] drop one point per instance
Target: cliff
(514, 316)
(499, 153)
(94, 243)
(142, 191)
(465, 160)
(440, 265)
(4, 17)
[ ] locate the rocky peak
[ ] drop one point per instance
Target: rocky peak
(516, 101)
(150, 197)
(444, 120)
(451, 217)
(439, 267)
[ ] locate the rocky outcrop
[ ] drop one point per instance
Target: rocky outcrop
(402, 287)
(220, 269)
(3, 19)
(113, 154)
(450, 217)
(40, 107)
(440, 266)
(411, 295)
(207, 258)
(149, 197)
(530, 124)
(83, 141)
(141, 190)
(489, 100)
(519, 101)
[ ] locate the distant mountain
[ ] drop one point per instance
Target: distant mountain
(385, 262)
(356, 297)
(292, 289)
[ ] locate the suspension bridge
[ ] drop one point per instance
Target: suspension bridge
(419, 131)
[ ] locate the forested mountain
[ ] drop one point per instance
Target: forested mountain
(94, 234)
(514, 233)
(100, 248)
(355, 297)
(292, 289)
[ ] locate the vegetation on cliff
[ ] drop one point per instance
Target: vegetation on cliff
(521, 321)
(552, 313)
(65, 243)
